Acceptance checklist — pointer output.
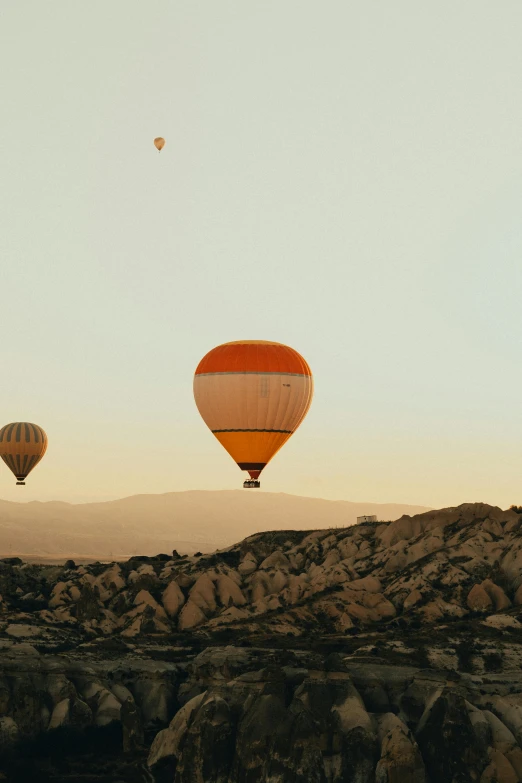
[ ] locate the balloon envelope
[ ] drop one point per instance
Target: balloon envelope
(22, 446)
(253, 395)
(159, 143)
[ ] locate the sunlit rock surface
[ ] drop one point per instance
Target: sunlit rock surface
(378, 653)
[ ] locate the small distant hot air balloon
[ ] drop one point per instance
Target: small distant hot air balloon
(159, 143)
(253, 395)
(22, 446)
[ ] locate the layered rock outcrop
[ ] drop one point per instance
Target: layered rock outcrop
(343, 717)
(438, 565)
(376, 653)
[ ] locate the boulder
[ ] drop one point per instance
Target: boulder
(191, 616)
(173, 599)
(499, 770)
(165, 748)
(145, 598)
(60, 715)
(276, 560)
(108, 708)
(400, 758)
(478, 599)
(229, 593)
(154, 693)
(496, 594)
(203, 594)
(369, 584)
(412, 599)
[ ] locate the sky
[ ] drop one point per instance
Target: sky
(342, 177)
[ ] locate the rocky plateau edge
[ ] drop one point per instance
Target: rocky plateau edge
(380, 652)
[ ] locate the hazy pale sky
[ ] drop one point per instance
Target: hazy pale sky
(343, 177)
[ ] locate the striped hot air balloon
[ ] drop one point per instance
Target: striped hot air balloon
(253, 395)
(22, 446)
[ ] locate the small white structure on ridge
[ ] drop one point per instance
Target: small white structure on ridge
(366, 518)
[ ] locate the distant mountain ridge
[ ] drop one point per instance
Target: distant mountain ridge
(187, 521)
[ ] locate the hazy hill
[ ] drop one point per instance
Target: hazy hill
(186, 521)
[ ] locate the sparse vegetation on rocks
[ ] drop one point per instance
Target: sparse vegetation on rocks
(376, 653)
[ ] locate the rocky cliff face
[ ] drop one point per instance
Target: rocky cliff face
(376, 653)
(339, 718)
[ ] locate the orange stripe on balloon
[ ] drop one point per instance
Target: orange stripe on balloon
(258, 447)
(253, 356)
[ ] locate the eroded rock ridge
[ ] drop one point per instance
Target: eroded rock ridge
(374, 653)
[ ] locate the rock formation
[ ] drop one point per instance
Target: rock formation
(377, 653)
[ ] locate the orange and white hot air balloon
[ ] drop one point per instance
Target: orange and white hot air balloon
(22, 446)
(159, 143)
(253, 395)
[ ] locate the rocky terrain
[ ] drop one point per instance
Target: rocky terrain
(377, 653)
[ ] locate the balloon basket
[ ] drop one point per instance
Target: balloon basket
(251, 484)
